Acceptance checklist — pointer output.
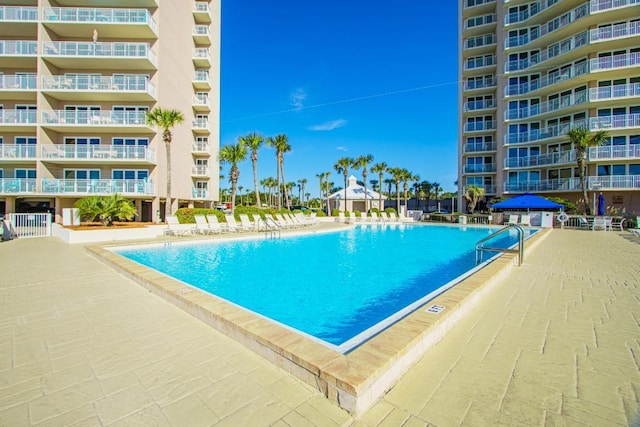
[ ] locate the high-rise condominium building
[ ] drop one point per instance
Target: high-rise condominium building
(533, 70)
(76, 79)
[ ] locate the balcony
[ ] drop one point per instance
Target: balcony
(618, 182)
(201, 35)
(88, 55)
(480, 126)
(201, 80)
(597, 6)
(17, 152)
(200, 171)
(99, 88)
(200, 147)
(614, 152)
(202, 12)
(562, 184)
(18, 87)
(101, 3)
(485, 104)
(481, 43)
(551, 52)
(480, 24)
(110, 23)
(477, 7)
(131, 187)
(19, 21)
(488, 189)
(551, 106)
(549, 159)
(614, 62)
(623, 121)
(540, 134)
(18, 54)
(614, 32)
(16, 186)
(100, 153)
(480, 63)
(200, 193)
(478, 148)
(484, 168)
(96, 121)
(548, 80)
(201, 103)
(483, 84)
(519, 17)
(200, 125)
(606, 93)
(18, 120)
(201, 57)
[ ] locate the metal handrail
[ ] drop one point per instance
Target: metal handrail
(272, 227)
(520, 251)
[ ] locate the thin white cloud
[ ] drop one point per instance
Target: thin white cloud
(342, 148)
(327, 126)
(297, 98)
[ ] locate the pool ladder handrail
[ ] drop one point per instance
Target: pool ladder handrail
(520, 250)
(272, 228)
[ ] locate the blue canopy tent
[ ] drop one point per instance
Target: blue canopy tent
(527, 201)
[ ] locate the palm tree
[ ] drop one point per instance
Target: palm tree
(233, 154)
(582, 139)
(326, 190)
(473, 194)
(435, 187)
(166, 120)
(253, 141)
(240, 188)
(389, 182)
(380, 169)
(406, 176)
(396, 174)
(321, 176)
(105, 208)
(289, 194)
(363, 162)
(426, 187)
(342, 166)
(281, 144)
(303, 184)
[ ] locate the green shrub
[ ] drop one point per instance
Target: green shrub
(569, 206)
(320, 213)
(391, 211)
(251, 211)
(185, 215)
(335, 212)
(357, 213)
(376, 210)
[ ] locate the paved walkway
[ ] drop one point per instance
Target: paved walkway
(557, 343)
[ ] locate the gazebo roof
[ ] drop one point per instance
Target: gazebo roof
(355, 191)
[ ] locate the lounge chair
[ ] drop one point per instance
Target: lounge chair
(302, 219)
(583, 223)
(246, 223)
(341, 217)
(202, 227)
(618, 222)
(174, 228)
(635, 231)
(513, 220)
(363, 217)
(374, 217)
(232, 224)
(525, 220)
(214, 224)
(599, 222)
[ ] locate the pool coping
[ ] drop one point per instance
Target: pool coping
(354, 381)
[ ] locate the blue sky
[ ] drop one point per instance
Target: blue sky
(342, 79)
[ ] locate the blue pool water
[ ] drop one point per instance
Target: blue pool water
(332, 286)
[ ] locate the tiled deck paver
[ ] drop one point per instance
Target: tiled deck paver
(557, 342)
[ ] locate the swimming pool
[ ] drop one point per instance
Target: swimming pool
(339, 288)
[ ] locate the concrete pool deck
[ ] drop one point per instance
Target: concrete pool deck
(555, 342)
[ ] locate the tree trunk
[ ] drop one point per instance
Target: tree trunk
(398, 197)
(345, 193)
(327, 195)
(167, 207)
(284, 185)
(380, 184)
(279, 191)
(364, 176)
(583, 181)
(254, 160)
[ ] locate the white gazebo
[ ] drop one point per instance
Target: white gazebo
(356, 198)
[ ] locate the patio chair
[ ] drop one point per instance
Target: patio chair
(374, 217)
(174, 228)
(635, 231)
(525, 220)
(363, 217)
(232, 225)
(341, 217)
(583, 223)
(513, 220)
(246, 223)
(617, 222)
(202, 227)
(599, 222)
(214, 224)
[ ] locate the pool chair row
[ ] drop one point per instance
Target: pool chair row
(524, 220)
(209, 224)
(373, 217)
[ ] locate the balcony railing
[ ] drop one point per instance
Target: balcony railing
(478, 21)
(485, 104)
(554, 51)
(611, 152)
(18, 14)
(603, 5)
(99, 50)
(201, 124)
(480, 126)
(98, 15)
(516, 17)
(538, 134)
(488, 189)
(17, 151)
(473, 63)
(199, 193)
(614, 181)
(614, 92)
(200, 171)
(548, 80)
(99, 152)
(616, 61)
(97, 186)
(616, 31)
(129, 83)
(563, 184)
(17, 185)
(95, 118)
(18, 48)
(547, 107)
(472, 3)
(201, 7)
(201, 76)
(201, 30)
(201, 100)
(480, 84)
(19, 117)
(18, 82)
(484, 168)
(201, 53)
(484, 146)
(561, 157)
(479, 41)
(622, 121)
(200, 147)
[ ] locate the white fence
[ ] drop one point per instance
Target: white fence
(25, 225)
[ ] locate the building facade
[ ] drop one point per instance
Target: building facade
(532, 70)
(76, 79)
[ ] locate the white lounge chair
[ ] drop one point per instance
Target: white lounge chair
(232, 225)
(525, 220)
(513, 220)
(246, 223)
(599, 222)
(341, 217)
(583, 223)
(375, 217)
(214, 224)
(174, 227)
(202, 227)
(364, 217)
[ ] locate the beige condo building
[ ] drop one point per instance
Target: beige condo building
(532, 70)
(76, 79)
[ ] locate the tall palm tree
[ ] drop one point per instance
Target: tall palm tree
(396, 174)
(233, 154)
(166, 119)
(406, 177)
(473, 194)
(303, 184)
(380, 169)
(582, 139)
(264, 184)
(240, 188)
(363, 162)
(327, 185)
(281, 144)
(253, 141)
(342, 166)
(436, 189)
(389, 182)
(426, 187)
(321, 177)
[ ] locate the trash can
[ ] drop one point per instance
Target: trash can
(546, 220)
(462, 219)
